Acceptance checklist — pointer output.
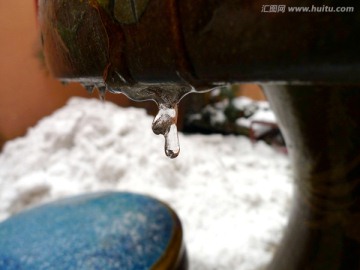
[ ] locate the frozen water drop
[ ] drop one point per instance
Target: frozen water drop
(165, 124)
(164, 119)
(102, 92)
(172, 146)
(166, 95)
(89, 88)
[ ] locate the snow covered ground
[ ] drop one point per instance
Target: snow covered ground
(232, 197)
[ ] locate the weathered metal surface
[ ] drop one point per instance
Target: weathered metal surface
(201, 42)
(233, 40)
(75, 42)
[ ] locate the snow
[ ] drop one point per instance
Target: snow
(241, 103)
(259, 111)
(233, 197)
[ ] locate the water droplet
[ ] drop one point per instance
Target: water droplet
(165, 123)
(102, 92)
(172, 146)
(166, 95)
(89, 88)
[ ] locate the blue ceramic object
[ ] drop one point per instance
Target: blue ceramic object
(102, 231)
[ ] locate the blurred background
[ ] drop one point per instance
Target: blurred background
(28, 92)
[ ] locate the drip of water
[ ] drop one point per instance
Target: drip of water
(89, 88)
(166, 95)
(172, 146)
(102, 92)
(165, 124)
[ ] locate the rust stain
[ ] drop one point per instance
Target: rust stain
(184, 65)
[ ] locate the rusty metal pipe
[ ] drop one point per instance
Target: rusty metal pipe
(206, 42)
(202, 41)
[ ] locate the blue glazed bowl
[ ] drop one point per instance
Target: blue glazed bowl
(96, 231)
